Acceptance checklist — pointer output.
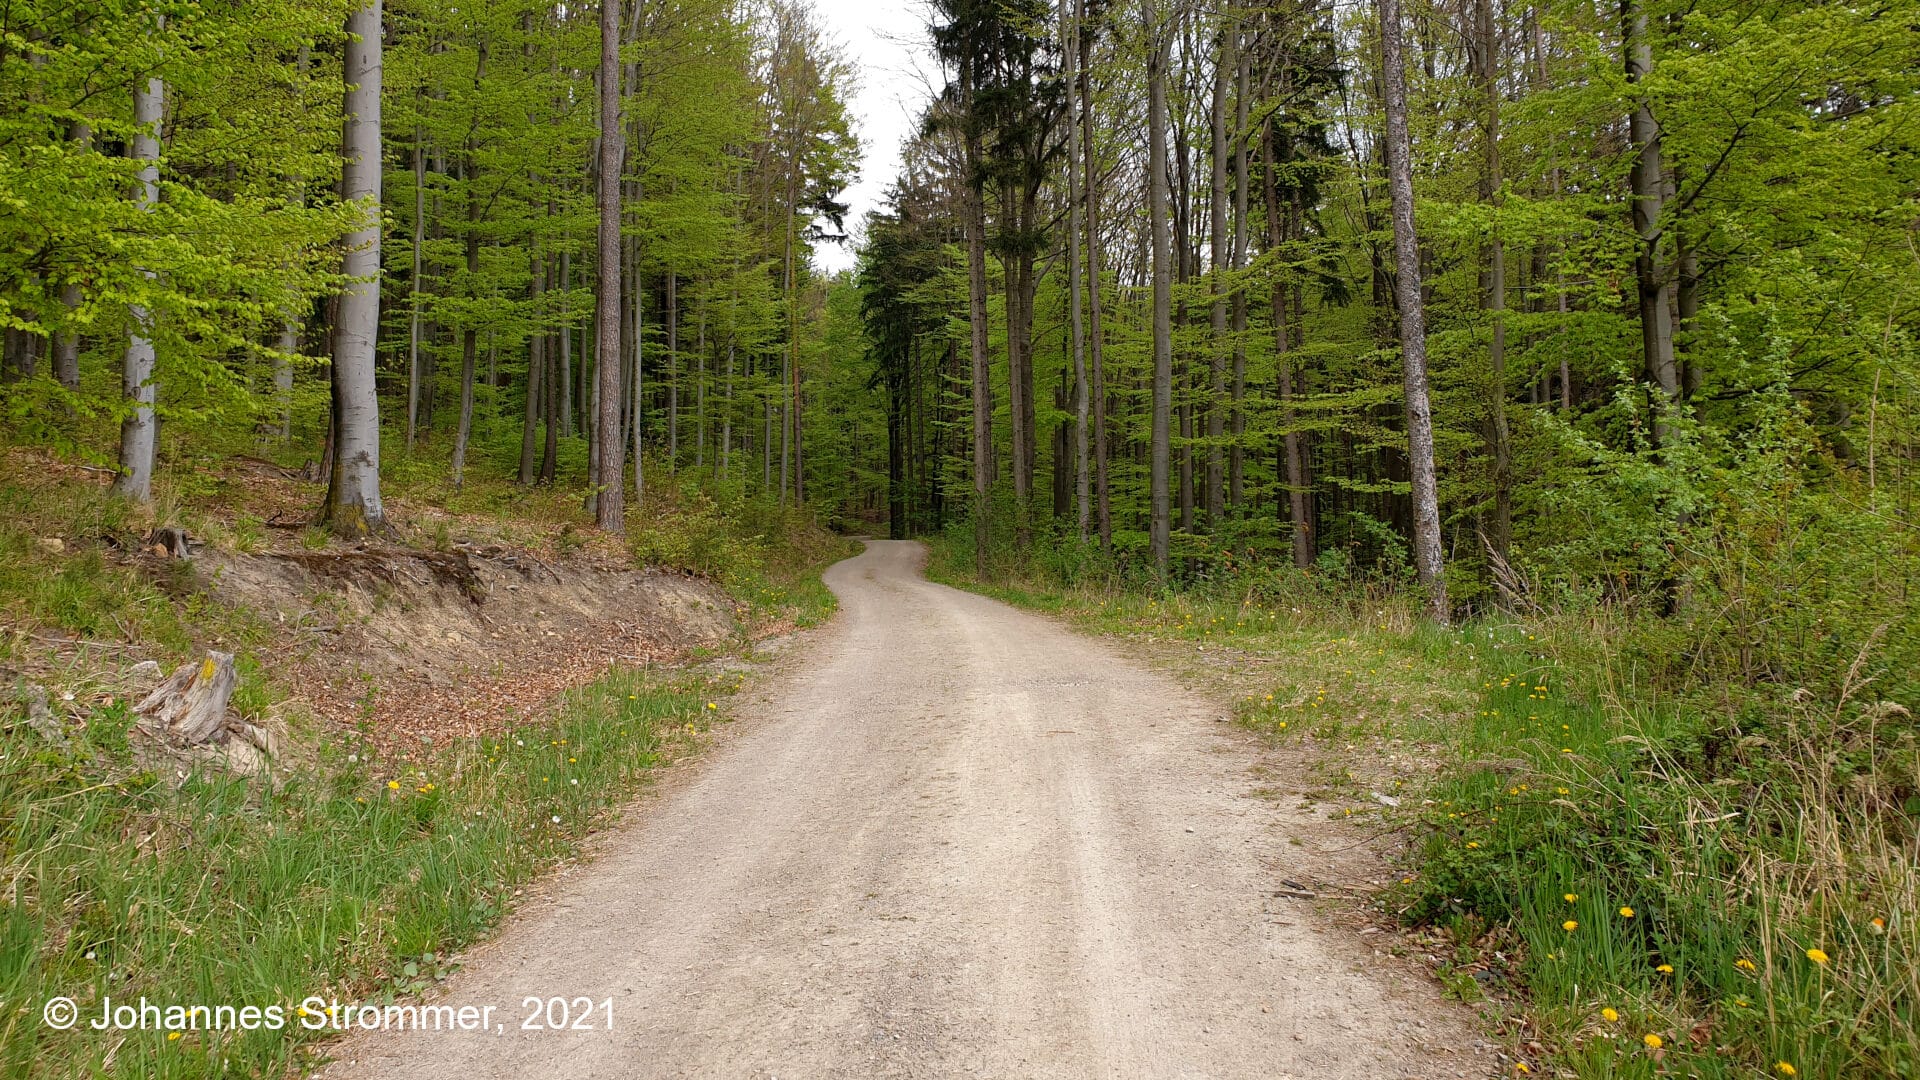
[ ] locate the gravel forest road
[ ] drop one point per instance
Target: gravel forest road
(946, 838)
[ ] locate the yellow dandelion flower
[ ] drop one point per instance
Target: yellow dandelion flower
(1654, 1042)
(1521, 1067)
(1609, 1015)
(172, 1035)
(1473, 843)
(1626, 913)
(393, 785)
(1744, 964)
(1571, 897)
(1817, 956)
(1785, 1068)
(1665, 969)
(1570, 925)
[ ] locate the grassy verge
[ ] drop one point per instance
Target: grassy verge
(1655, 883)
(351, 880)
(352, 877)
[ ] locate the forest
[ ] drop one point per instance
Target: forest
(1578, 336)
(188, 234)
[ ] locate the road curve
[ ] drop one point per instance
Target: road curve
(948, 839)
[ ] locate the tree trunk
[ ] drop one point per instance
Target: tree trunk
(536, 364)
(1077, 343)
(1500, 443)
(673, 372)
(66, 343)
(138, 429)
(636, 416)
(469, 337)
(726, 409)
(288, 345)
(1103, 504)
(1292, 464)
(1019, 382)
(353, 487)
(1236, 464)
(566, 344)
(609, 504)
(554, 384)
(1648, 183)
(700, 387)
(413, 302)
(1160, 526)
(1413, 322)
(982, 362)
(1221, 348)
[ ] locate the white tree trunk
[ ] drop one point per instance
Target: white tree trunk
(353, 489)
(138, 429)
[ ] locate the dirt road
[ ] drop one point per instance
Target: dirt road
(948, 839)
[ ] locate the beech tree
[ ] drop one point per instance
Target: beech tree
(353, 492)
(137, 430)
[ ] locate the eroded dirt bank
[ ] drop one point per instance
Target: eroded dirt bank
(429, 645)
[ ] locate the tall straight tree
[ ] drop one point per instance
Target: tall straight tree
(1103, 502)
(1160, 526)
(1413, 316)
(1499, 440)
(1069, 51)
(1220, 349)
(137, 430)
(353, 486)
(610, 501)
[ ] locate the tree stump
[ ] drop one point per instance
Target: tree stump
(190, 708)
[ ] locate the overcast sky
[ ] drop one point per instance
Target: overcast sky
(885, 40)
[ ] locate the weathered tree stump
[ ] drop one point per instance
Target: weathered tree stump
(170, 541)
(190, 708)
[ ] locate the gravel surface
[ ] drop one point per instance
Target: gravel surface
(946, 838)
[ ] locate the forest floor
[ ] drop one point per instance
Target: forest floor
(952, 838)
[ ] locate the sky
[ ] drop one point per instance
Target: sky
(885, 41)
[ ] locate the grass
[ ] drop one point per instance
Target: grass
(1663, 883)
(354, 880)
